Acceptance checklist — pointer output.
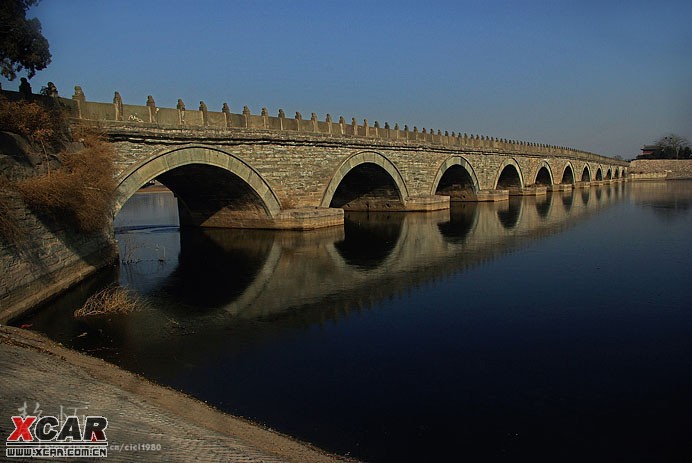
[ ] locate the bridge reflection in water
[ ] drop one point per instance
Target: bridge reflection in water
(402, 334)
(202, 282)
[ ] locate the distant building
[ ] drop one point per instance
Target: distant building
(649, 151)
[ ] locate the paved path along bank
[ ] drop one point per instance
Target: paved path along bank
(35, 370)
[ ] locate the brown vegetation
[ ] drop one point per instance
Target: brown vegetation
(80, 192)
(41, 125)
(110, 300)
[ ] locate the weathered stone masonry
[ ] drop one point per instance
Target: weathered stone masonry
(299, 173)
(259, 171)
(46, 261)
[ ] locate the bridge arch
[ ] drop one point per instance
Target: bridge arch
(568, 174)
(455, 174)
(609, 174)
(586, 174)
(599, 173)
(509, 175)
(367, 163)
(169, 164)
(544, 175)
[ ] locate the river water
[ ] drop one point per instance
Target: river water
(554, 328)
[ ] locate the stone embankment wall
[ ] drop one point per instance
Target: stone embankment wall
(643, 169)
(39, 257)
(45, 260)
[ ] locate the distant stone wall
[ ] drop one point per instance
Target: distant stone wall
(672, 168)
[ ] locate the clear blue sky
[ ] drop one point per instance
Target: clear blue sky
(604, 76)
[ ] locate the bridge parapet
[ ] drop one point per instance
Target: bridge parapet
(150, 116)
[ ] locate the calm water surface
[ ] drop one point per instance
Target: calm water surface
(556, 329)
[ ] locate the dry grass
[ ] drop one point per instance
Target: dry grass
(42, 125)
(109, 301)
(80, 192)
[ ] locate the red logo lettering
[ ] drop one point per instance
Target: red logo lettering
(21, 429)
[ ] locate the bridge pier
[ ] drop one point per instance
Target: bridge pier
(560, 187)
(308, 218)
(489, 196)
(427, 203)
(529, 191)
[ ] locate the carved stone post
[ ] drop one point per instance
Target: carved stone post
(282, 116)
(226, 114)
(205, 113)
(181, 112)
(118, 106)
(246, 116)
(151, 106)
(342, 125)
(265, 118)
(354, 126)
(80, 99)
(313, 119)
(299, 117)
(328, 120)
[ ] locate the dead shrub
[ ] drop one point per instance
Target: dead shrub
(40, 124)
(80, 192)
(111, 300)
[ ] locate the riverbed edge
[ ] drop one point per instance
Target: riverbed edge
(186, 408)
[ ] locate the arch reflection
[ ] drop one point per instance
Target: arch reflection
(509, 216)
(369, 238)
(462, 219)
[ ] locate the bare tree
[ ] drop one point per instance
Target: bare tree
(671, 145)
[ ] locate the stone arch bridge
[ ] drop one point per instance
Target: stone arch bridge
(259, 171)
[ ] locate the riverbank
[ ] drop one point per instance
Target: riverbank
(660, 169)
(47, 376)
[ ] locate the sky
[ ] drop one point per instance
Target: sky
(603, 76)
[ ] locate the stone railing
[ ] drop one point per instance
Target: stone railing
(150, 115)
